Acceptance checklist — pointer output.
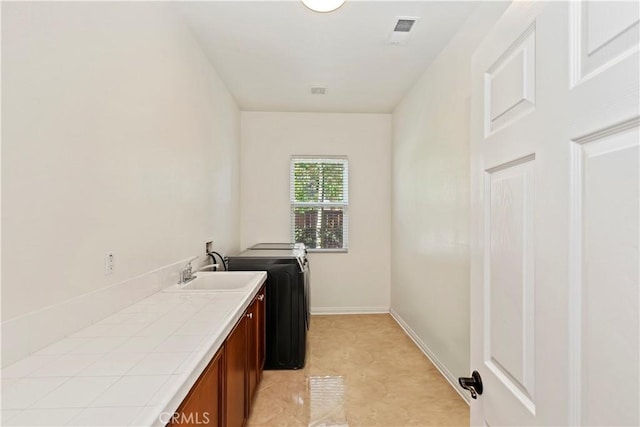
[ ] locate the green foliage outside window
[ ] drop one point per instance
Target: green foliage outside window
(319, 183)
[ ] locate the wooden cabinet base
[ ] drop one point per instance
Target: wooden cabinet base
(223, 393)
(203, 404)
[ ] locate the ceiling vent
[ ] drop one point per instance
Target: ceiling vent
(402, 29)
(318, 90)
(404, 25)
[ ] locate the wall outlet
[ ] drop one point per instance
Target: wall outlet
(208, 247)
(108, 263)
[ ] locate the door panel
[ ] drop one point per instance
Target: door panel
(604, 34)
(509, 293)
(510, 83)
(605, 303)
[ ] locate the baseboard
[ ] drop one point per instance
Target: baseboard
(349, 310)
(430, 355)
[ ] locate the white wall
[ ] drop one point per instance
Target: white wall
(430, 201)
(117, 135)
(357, 281)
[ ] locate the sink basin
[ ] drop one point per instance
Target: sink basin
(221, 281)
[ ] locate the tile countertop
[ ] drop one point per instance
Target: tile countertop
(128, 369)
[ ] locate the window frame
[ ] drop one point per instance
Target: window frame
(293, 204)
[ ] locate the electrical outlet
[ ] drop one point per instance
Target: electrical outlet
(208, 247)
(108, 263)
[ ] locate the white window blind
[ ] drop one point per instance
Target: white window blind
(320, 202)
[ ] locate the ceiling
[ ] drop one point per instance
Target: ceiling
(270, 53)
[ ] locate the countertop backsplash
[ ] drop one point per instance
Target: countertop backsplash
(26, 334)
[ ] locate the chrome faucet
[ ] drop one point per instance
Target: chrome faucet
(186, 274)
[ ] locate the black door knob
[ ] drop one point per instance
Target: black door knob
(473, 384)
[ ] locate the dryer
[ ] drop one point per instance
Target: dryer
(287, 305)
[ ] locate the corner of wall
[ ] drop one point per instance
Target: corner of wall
(430, 201)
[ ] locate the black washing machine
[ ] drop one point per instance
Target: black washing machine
(287, 308)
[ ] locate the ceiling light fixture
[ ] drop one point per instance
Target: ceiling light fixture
(323, 5)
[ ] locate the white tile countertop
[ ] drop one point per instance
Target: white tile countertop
(127, 369)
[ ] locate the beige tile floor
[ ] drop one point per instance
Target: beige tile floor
(361, 370)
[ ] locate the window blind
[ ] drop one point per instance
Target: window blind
(320, 202)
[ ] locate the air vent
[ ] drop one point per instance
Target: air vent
(401, 29)
(404, 25)
(318, 90)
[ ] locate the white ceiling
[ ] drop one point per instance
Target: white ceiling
(270, 53)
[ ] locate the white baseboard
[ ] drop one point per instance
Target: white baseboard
(349, 310)
(430, 355)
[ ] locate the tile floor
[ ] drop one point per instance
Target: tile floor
(361, 370)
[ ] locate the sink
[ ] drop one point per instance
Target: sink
(221, 281)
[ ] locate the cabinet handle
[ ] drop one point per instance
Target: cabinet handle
(250, 315)
(260, 297)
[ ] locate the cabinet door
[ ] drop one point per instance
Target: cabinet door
(261, 327)
(252, 352)
(203, 403)
(255, 343)
(235, 390)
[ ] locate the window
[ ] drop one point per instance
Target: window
(319, 202)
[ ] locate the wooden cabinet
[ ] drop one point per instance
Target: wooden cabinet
(203, 404)
(222, 395)
(256, 344)
(262, 330)
(235, 390)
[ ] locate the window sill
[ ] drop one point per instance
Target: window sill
(328, 251)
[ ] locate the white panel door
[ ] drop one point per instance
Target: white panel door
(555, 210)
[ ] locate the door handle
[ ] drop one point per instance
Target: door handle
(473, 384)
